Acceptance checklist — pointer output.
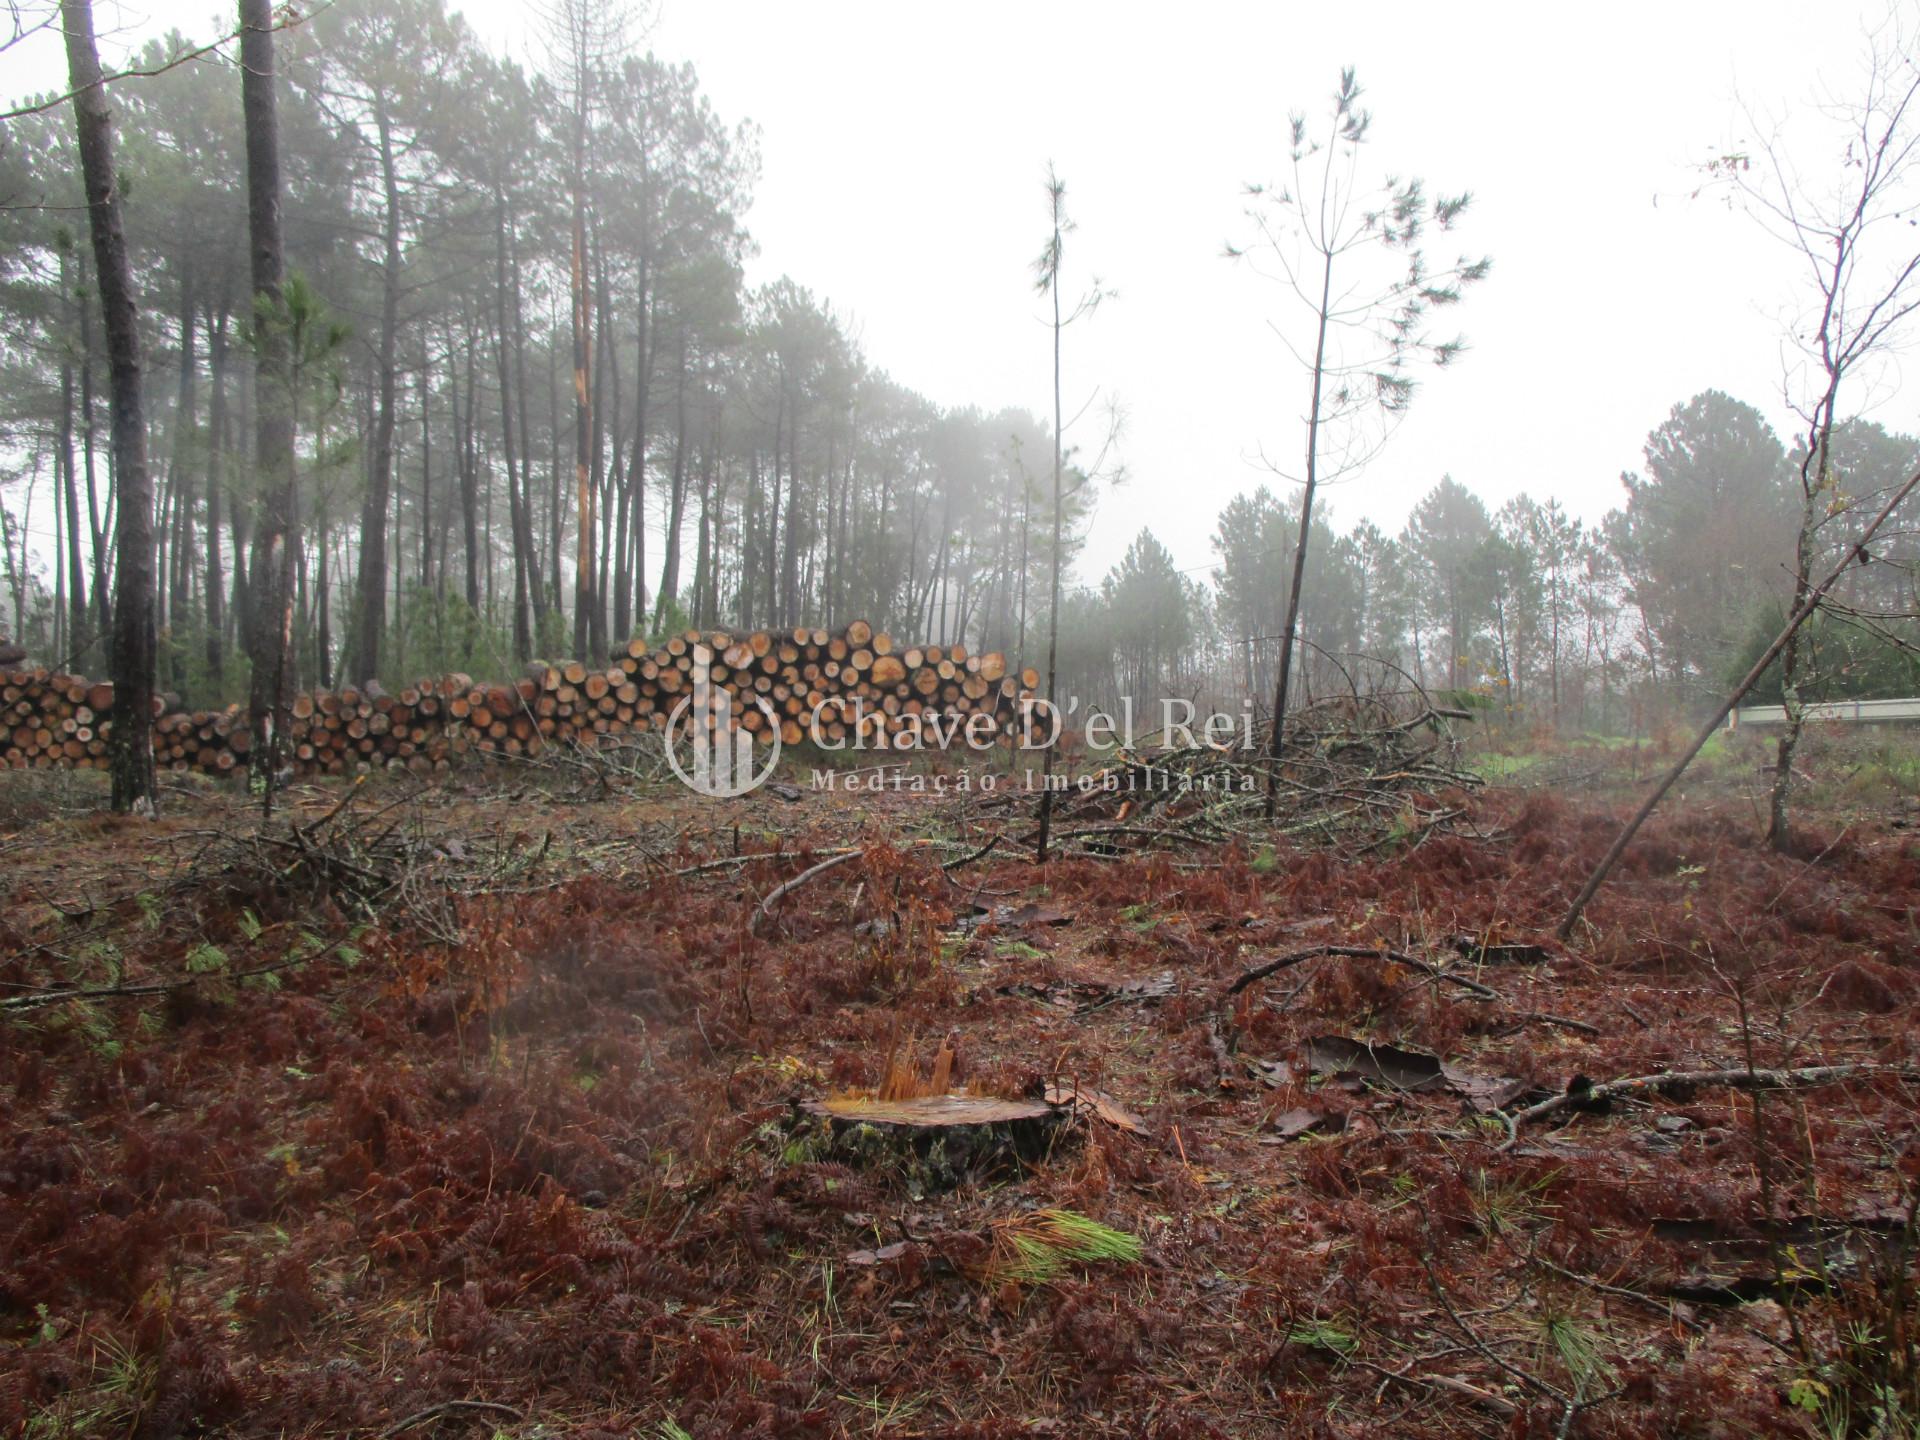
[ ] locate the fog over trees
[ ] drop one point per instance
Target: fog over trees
(537, 409)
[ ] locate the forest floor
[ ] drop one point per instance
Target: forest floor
(457, 1112)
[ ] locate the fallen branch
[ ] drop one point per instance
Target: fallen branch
(1565, 1022)
(448, 1407)
(787, 887)
(1449, 1383)
(733, 861)
(1744, 1079)
(1358, 952)
(980, 854)
(38, 998)
(1666, 1308)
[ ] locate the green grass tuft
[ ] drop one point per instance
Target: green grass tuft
(1035, 1248)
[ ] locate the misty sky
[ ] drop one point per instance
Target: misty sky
(904, 148)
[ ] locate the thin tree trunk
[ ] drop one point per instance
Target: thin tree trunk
(637, 462)
(240, 504)
(371, 611)
(583, 598)
(467, 463)
(216, 483)
(78, 624)
(60, 625)
(702, 555)
(1300, 550)
(323, 605)
(181, 529)
(102, 606)
(677, 500)
(749, 540)
(469, 480)
(536, 590)
(427, 533)
(790, 562)
(1053, 618)
(771, 517)
(606, 378)
(423, 392)
(620, 528)
(1779, 833)
(556, 500)
(517, 518)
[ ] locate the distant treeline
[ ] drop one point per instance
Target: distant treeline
(1650, 612)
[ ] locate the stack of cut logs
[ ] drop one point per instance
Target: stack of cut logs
(47, 718)
(853, 688)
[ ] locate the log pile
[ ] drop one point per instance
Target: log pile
(856, 680)
(51, 719)
(764, 683)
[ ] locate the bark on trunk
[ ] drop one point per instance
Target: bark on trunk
(270, 573)
(78, 623)
(131, 743)
(1779, 829)
(102, 604)
(180, 530)
(582, 413)
(216, 466)
(516, 491)
(677, 500)
(371, 624)
(1292, 622)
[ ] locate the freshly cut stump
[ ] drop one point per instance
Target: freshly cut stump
(935, 1141)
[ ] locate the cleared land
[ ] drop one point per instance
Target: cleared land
(484, 1110)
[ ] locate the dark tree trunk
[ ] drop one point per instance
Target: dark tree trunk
(78, 623)
(637, 463)
(677, 499)
(621, 530)
(749, 542)
(323, 612)
(536, 590)
(371, 624)
(270, 572)
(556, 499)
(180, 461)
(463, 461)
(1053, 615)
(583, 598)
(790, 561)
(102, 604)
(78, 626)
(423, 391)
(470, 459)
(240, 506)
(771, 518)
(605, 377)
(702, 554)
(130, 747)
(216, 465)
(516, 499)
(427, 534)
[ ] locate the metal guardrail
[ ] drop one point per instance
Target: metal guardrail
(1867, 712)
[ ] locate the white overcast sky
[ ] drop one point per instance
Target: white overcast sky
(904, 148)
